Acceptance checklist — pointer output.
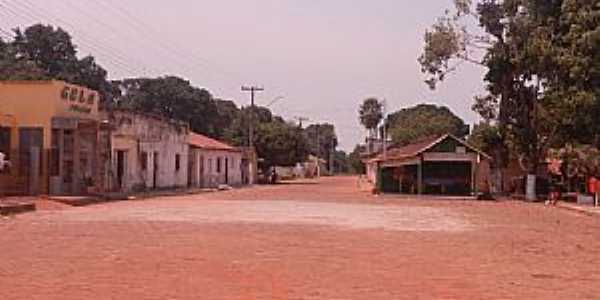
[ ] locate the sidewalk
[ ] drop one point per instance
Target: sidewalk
(585, 209)
(16, 205)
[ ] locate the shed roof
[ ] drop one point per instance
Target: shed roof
(204, 142)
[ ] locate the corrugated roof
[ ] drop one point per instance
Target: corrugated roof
(204, 142)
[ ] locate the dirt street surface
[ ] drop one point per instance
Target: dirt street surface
(315, 240)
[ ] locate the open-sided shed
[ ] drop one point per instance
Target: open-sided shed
(441, 165)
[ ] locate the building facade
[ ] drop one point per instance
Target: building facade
(213, 163)
(49, 133)
(148, 152)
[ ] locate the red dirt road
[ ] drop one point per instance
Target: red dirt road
(325, 240)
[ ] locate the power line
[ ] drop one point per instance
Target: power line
(113, 57)
(152, 43)
(148, 30)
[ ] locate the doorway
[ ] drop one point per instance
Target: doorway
(155, 171)
(121, 155)
(226, 170)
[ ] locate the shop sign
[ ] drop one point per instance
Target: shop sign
(81, 102)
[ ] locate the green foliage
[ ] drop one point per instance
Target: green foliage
(578, 161)
(543, 66)
(173, 98)
(355, 160)
(43, 52)
(341, 164)
(411, 124)
(371, 114)
(280, 144)
(322, 140)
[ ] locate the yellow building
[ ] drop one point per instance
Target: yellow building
(50, 132)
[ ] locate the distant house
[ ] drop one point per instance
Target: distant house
(441, 165)
(212, 163)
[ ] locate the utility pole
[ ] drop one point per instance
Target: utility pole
(384, 104)
(252, 90)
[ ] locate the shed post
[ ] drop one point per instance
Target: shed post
(420, 175)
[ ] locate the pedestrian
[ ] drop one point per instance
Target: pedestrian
(554, 194)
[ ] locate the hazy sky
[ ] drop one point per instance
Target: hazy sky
(323, 56)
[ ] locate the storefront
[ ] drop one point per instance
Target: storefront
(50, 130)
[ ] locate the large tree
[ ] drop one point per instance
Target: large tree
(280, 144)
(411, 124)
(371, 114)
(322, 141)
(15, 67)
(535, 67)
(171, 97)
(45, 52)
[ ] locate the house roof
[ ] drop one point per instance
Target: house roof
(417, 148)
(204, 142)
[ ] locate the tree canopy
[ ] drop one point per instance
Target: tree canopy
(45, 52)
(280, 144)
(410, 124)
(371, 114)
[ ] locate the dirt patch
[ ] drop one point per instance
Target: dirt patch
(341, 215)
(320, 241)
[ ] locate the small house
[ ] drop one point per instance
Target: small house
(212, 163)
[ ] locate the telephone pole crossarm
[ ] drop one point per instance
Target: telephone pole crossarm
(252, 90)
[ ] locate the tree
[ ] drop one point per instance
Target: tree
(15, 67)
(535, 72)
(341, 164)
(355, 160)
(322, 141)
(280, 144)
(237, 131)
(173, 98)
(411, 124)
(50, 49)
(371, 114)
(45, 52)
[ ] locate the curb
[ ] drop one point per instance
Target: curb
(580, 210)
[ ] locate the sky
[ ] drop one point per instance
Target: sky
(323, 56)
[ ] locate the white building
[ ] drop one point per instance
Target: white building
(148, 152)
(212, 163)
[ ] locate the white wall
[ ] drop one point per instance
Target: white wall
(137, 134)
(206, 171)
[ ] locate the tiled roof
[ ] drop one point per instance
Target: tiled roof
(411, 150)
(414, 149)
(204, 142)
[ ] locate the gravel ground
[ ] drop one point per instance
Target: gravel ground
(311, 240)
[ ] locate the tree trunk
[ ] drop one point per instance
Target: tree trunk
(530, 190)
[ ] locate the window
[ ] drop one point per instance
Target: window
(144, 161)
(210, 166)
(177, 162)
(232, 160)
(219, 165)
